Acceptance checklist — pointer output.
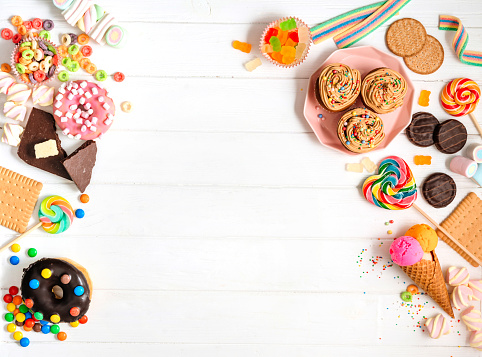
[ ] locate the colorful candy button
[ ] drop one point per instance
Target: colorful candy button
(55, 328)
(46, 273)
(15, 248)
(34, 284)
(55, 319)
(79, 290)
(17, 336)
(29, 323)
(45, 329)
(9, 317)
(14, 260)
(74, 323)
(11, 307)
(75, 311)
(8, 298)
(83, 319)
(29, 303)
(38, 315)
(32, 252)
(20, 317)
(84, 198)
(11, 327)
(28, 315)
(24, 342)
(79, 213)
(23, 308)
(13, 290)
(62, 336)
(17, 300)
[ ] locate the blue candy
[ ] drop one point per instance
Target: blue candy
(14, 260)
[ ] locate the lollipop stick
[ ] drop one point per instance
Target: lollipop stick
(20, 236)
(448, 235)
(476, 123)
(475, 181)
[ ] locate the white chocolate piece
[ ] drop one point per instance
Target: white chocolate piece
(46, 149)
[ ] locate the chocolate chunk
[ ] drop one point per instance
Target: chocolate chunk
(450, 136)
(421, 129)
(41, 127)
(80, 163)
(439, 190)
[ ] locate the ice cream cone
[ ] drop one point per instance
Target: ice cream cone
(427, 274)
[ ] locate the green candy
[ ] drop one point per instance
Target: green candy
(63, 76)
(55, 329)
(32, 252)
(27, 54)
(23, 44)
(101, 75)
(73, 50)
(74, 66)
(44, 34)
(406, 296)
(20, 68)
(23, 309)
(287, 25)
(66, 62)
(38, 315)
(9, 317)
(275, 43)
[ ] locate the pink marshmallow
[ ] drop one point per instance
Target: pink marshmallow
(472, 319)
(437, 326)
(457, 276)
(476, 286)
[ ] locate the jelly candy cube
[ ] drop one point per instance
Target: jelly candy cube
(287, 25)
(253, 64)
(354, 167)
(271, 32)
(242, 46)
(266, 48)
(293, 35)
(275, 43)
(283, 36)
(368, 164)
(422, 160)
(424, 98)
(304, 34)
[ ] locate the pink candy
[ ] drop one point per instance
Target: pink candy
(461, 296)
(476, 286)
(437, 326)
(472, 319)
(457, 276)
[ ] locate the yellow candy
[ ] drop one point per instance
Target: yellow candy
(15, 248)
(20, 317)
(55, 319)
(288, 51)
(75, 323)
(46, 273)
(267, 48)
(11, 327)
(11, 306)
(288, 59)
(17, 336)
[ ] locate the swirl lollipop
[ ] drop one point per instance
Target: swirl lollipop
(460, 97)
(55, 214)
(394, 188)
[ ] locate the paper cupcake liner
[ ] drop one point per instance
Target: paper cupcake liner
(14, 68)
(299, 24)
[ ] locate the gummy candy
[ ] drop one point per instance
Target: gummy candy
(253, 64)
(368, 164)
(354, 167)
(287, 25)
(294, 36)
(266, 48)
(299, 50)
(422, 160)
(271, 32)
(242, 46)
(275, 43)
(304, 34)
(283, 36)
(424, 98)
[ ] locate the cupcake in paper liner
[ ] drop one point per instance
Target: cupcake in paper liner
(286, 42)
(40, 56)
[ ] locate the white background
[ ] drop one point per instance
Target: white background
(218, 225)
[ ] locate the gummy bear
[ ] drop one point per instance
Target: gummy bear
(304, 34)
(368, 164)
(422, 160)
(275, 43)
(278, 57)
(283, 36)
(288, 51)
(289, 42)
(354, 167)
(300, 49)
(424, 98)
(271, 32)
(266, 48)
(253, 64)
(287, 25)
(294, 36)
(242, 46)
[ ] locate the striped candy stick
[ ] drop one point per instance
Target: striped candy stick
(342, 22)
(370, 24)
(459, 44)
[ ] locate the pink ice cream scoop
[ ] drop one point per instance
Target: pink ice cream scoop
(406, 250)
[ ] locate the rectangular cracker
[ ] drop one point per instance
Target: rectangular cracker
(465, 225)
(18, 196)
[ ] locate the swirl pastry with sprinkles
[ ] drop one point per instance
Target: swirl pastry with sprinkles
(338, 87)
(360, 130)
(383, 90)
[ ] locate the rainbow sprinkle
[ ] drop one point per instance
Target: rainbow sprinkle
(461, 39)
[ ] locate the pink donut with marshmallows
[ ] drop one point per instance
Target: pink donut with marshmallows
(83, 110)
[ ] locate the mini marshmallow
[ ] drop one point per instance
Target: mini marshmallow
(58, 113)
(73, 107)
(63, 119)
(83, 128)
(84, 115)
(78, 110)
(62, 90)
(70, 136)
(101, 99)
(90, 111)
(95, 91)
(78, 136)
(110, 116)
(70, 96)
(83, 84)
(87, 106)
(79, 121)
(76, 115)
(106, 106)
(93, 128)
(75, 85)
(58, 104)
(108, 121)
(74, 91)
(69, 115)
(80, 91)
(88, 95)
(87, 123)
(66, 131)
(94, 120)
(59, 96)
(82, 100)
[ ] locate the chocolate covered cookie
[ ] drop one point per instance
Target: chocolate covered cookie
(439, 190)
(421, 129)
(450, 136)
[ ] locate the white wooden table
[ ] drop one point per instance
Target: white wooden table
(218, 225)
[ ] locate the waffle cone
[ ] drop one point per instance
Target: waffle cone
(429, 277)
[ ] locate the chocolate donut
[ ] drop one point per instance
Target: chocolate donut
(38, 283)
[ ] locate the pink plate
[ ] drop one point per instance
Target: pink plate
(364, 59)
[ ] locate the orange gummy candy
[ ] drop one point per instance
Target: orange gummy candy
(283, 37)
(424, 98)
(422, 160)
(242, 46)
